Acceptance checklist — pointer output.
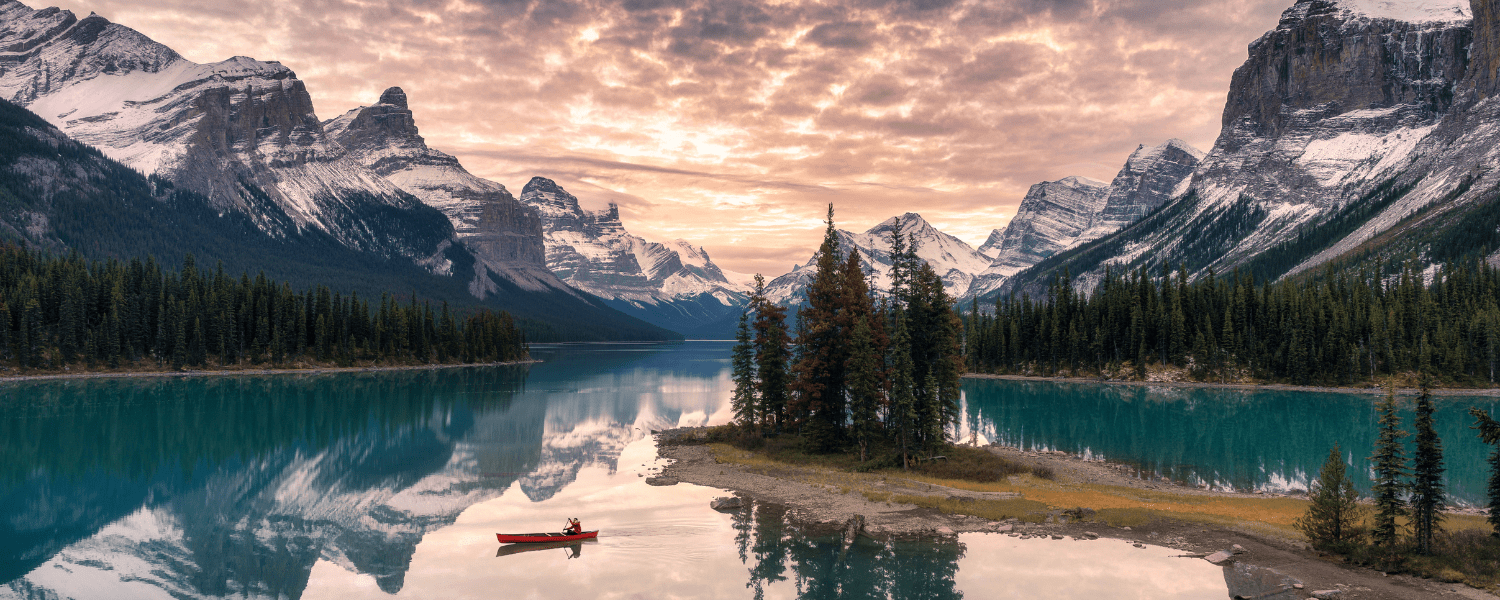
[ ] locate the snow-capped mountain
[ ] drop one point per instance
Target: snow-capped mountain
(241, 131)
(673, 285)
(991, 245)
(1050, 219)
(1059, 215)
(504, 234)
(1150, 178)
(243, 171)
(953, 259)
(1350, 119)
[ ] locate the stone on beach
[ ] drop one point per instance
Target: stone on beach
(1250, 581)
(1219, 557)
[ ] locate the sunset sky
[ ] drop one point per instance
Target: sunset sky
(732, 124)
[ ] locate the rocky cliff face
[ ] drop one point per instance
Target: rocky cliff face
(1484, 68)
(673, 285)
(1330, 132)
(1343, 56)
(1150, 178)
(241, 131)
(502, 233)
(1050, 219)
(1051, 216)
(1056, 216)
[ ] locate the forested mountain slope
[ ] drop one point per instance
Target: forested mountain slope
(58, 195)
(1356, 135)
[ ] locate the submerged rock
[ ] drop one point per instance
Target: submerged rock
(727, 503)
(1250, 581)
(661, 480)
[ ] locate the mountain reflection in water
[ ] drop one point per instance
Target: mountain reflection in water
(372, 485)
(237, 486)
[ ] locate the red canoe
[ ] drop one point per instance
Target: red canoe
(518, 538)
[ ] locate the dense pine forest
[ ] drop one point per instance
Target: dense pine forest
(1333, 329)
(853, 373)
(64, 312)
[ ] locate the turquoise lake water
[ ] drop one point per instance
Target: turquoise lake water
(374, 485)
(1240, 439)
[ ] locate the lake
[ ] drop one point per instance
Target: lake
(381, 484)
(1269, 440)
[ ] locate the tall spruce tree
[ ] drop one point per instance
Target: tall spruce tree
(820, 388)
(1489, 432)
(772, 353)
(1389, 464)
(903, 420)
(1332, 518)
(1427, 493)
(865, 362)
(742, 366)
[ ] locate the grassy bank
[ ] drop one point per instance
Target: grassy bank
(983, 484)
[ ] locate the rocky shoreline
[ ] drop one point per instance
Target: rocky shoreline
(229, 372)
(1256, 564)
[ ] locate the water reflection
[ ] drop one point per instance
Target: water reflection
(572, 549)
(821, 565)
(212, 487)
(1241, 439)
(394, 484)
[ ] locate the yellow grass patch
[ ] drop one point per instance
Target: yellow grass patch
(1116, 505)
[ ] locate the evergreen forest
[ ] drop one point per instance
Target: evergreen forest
(1333, 329)
(851, 372)
(59, 195)
(62, 312)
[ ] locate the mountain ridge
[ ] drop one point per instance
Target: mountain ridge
(674, 285)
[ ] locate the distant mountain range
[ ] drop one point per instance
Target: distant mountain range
(1359, 134)
(673, 285)
(242, 171)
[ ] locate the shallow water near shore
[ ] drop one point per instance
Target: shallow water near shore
(371, 485)
(1232, 439)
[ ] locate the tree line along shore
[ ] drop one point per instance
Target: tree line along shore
(62, 313)
(1333, 329)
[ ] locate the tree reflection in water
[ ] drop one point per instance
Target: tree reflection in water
(822, 567)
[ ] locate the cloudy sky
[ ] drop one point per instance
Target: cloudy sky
(733, 123)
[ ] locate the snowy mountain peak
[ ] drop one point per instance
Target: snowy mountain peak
(674, 285)
(908, 224)
(241, 132)
(1157, 152)
(991, 246)
(550, 199)
(1409, 11)
(1059, 215)
(504, 234)
(954, 260)
(1078, 181)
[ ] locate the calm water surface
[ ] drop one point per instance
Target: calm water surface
(1239, 439)
(374, 485)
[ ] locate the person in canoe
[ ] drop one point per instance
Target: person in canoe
(574, 527)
